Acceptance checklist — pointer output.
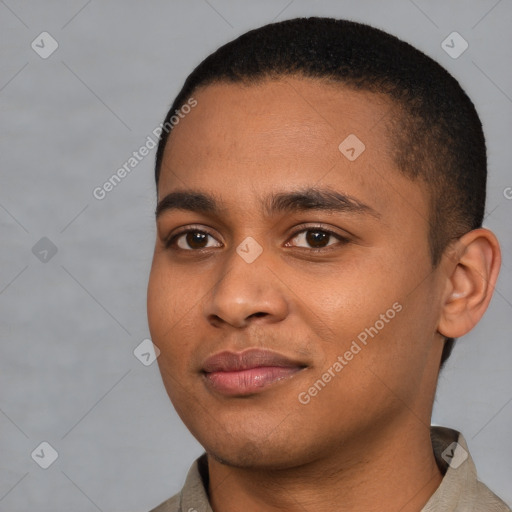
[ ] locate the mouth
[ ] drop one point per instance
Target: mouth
(249, 372)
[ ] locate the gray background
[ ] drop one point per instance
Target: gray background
(69, 325)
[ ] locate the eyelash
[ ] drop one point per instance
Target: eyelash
(343, 240)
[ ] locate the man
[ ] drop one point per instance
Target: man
(319, 248)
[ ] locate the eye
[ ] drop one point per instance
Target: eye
(318, 238)
(190, 240)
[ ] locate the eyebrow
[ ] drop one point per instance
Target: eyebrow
(283, 202)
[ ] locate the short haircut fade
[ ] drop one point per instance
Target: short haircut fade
(435, 130)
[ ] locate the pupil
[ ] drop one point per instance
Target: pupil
(193, 238)
(315, 237)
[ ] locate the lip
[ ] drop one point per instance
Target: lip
(248, 372)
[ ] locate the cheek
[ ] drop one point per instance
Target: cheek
(158, 303)
(170, 291)
(379, 298)
(349, 296)
(170, 303)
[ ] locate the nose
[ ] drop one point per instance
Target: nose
(245, 293)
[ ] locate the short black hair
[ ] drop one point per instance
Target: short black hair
(436, 132)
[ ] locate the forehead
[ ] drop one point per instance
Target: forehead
(288, 112)
(292, 132)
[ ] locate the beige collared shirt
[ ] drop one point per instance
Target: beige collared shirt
(459, 491)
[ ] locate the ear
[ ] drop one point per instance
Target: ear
(473, 264)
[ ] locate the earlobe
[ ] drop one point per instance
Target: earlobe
(470, 283)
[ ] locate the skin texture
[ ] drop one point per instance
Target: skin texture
(362, 443)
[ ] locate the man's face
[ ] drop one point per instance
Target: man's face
(259, 281)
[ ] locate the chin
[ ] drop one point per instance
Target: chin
(250, 457)
(260, 452)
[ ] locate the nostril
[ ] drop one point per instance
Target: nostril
(259, 314)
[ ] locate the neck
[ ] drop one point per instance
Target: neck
(395, 470)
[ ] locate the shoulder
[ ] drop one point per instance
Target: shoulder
(193, 496)
(486, 501)
(170, 505)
